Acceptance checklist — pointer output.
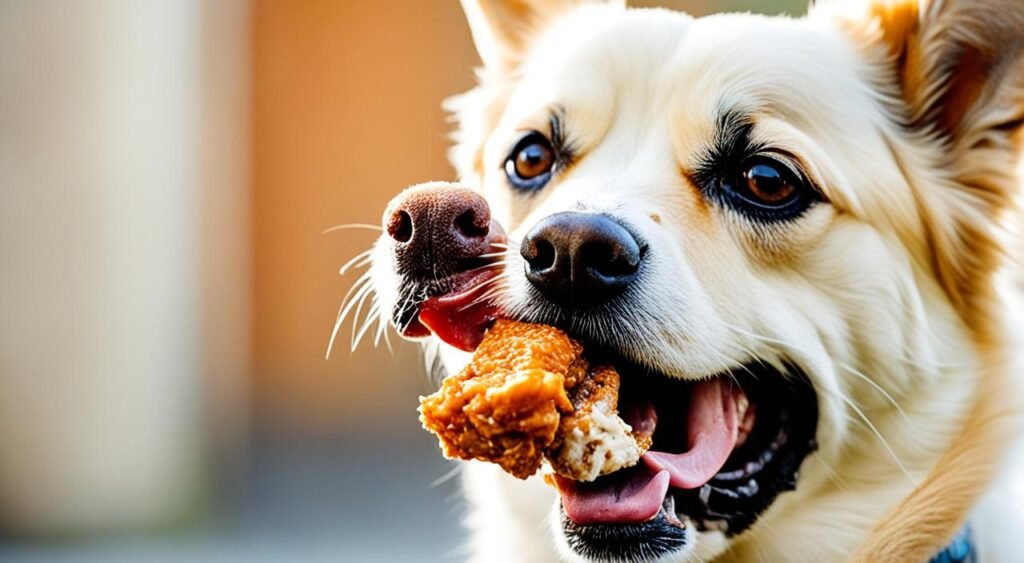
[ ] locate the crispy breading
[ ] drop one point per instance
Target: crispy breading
(527, 395)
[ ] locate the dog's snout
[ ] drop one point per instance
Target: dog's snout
(580, 259)
(433, 226)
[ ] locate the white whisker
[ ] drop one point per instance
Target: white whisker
(361, 293)
(381, 320)
(454, 471)
(833, 475)
(360, 284)
(491, 292)
(878, 435)
(359, 309)
(371, 316)
(347, 226)
(842, 365)
(334, 331)
(484, 267)
(356, 261)
(387, 333)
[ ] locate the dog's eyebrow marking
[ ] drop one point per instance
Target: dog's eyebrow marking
(732, 135)
(730, 144)
(565, 149)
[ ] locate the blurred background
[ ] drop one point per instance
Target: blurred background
(167, 169)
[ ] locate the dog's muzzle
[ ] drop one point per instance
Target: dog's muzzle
(443, 241)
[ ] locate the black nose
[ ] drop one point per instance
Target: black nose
(580, 259)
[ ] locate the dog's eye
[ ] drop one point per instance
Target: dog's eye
(767, 184)
(530, 164)
(768, 189)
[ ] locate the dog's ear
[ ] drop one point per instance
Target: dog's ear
(503, 29)
(958, 66)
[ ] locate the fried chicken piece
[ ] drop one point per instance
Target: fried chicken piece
(527, 395)
(594, 440)
(506, 405)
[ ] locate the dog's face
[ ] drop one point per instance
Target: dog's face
(741, 199)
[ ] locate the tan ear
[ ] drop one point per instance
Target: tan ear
(503, 29)
(959, 65)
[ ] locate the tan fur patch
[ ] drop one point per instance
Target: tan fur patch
(926, 521)
(699, 211)
(960, 67)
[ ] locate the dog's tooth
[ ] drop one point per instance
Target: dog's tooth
(715, 525)
(742, 403)
(705, 494)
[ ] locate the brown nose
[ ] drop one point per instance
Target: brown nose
(435, 226)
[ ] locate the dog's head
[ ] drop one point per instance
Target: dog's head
(808, 207)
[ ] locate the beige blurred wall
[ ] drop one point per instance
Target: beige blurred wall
(123, 242)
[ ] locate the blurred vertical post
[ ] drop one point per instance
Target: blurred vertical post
(123, 247)
(226, 231)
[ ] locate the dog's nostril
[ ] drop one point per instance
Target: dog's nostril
(471, 225)
(400, 226)
(608, 260)
(541, 255)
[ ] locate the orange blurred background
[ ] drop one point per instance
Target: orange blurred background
(346, 112)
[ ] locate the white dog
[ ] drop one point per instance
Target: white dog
(816, 209)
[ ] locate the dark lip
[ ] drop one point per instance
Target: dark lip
(737, 496)
(660, 536)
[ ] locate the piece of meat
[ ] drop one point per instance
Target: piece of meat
(593, 440)
(527, 395)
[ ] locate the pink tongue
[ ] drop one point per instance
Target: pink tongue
(630, 495)
(712, 428)
(635, 495)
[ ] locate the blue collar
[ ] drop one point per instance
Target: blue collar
(960, 550)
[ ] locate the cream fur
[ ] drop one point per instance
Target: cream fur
(884, 296)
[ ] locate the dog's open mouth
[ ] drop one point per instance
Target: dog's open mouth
(723, 448)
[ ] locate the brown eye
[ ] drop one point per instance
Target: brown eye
(529, 166)
(768, 183)
(767, 189)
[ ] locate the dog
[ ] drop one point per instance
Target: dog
(818, 210)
